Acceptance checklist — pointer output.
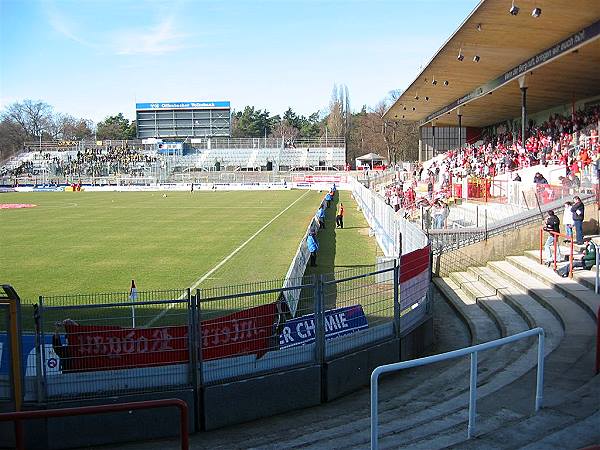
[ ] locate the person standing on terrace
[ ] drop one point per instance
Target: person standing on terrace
(578, 210)
(551, 226)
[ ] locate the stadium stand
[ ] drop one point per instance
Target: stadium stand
(56, 162)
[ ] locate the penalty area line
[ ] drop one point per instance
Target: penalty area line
(223, 261)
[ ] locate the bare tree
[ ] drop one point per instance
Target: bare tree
(11, 138)
(286, 131)
(397, 140)
(65, 126)
(32, 116)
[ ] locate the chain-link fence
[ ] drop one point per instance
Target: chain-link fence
(109, 344)
(355, 301)
(112, 342)
(240, 329)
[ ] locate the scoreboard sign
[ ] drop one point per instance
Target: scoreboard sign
(182, 105)
(183, 120)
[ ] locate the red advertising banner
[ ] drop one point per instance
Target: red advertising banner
(101, 347)
(414, 277)
(413, 263)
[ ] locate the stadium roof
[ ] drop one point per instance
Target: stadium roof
(559, 52)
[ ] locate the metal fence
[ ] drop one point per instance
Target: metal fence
(94, 343)
(394, 235)
(443, 240)
(5, 355)
(100, 345)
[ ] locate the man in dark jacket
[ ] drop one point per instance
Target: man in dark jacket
(578, 210)
(551, 226)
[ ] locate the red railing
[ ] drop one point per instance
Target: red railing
(556, 236)
(17, 417)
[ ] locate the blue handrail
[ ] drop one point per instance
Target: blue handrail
(473, 350)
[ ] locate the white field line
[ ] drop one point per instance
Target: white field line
(227, 258)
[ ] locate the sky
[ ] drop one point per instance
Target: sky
(95, 58)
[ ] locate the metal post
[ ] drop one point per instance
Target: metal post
(597, 285)
(472, 396)
(199, 341)
(192, 340)
(485, 221)
(43, 341)
(524, 199)
(570, 260)
(477, 214)
(555, 235)
(38, 355)
(539, 391)
(374, 401)
(523, 115)
(319, 321)
(396, 297)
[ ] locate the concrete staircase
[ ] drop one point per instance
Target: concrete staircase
(427, 407)
(567, 310)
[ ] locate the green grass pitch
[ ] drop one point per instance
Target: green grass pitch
(87, 242)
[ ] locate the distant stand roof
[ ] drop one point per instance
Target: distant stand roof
(372, 157)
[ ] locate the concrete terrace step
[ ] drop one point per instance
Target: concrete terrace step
(586, 277)
(575, 291)
(532, 312)
(520, 353)
(574, 318)
(572, 424)
(507, 318)
(452, 435)
(481, 326)
(564, 367)
(579, 435)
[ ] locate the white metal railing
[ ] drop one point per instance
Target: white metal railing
(473, 351)
(393, 234)
(597, 282)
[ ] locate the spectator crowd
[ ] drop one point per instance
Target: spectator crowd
(92, 161)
